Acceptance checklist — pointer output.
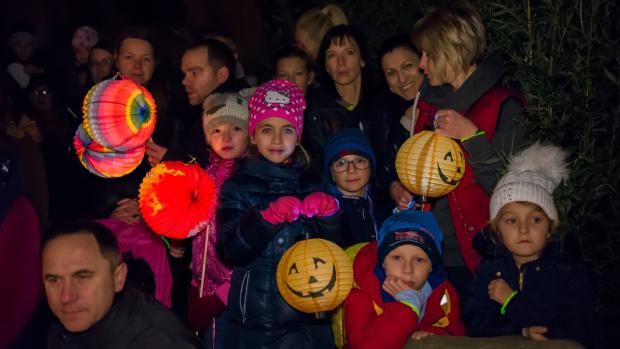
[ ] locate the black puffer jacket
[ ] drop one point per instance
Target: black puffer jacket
(258, 316)
(553, 291)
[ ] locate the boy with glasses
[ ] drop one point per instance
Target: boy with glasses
(349, 164)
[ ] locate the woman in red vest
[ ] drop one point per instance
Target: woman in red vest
(487, 120)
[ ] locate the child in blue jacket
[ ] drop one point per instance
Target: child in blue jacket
(532, 288)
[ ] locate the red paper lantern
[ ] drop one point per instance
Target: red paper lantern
(177, 199)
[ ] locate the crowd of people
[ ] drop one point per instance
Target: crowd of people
(311, 151)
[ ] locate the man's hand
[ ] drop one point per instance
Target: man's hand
(534, 332)
(499, 290)
(127, 210)
(155, 152)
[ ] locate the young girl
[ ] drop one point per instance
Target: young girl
(259, 219)
(531, 288)
(225, 125)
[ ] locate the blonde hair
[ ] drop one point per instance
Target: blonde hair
(553, 226)
(451, 36)
(317, 21)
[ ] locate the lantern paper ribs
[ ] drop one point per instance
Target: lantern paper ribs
(119, 117)
(176, 199)
(314, 276)
(429, 164)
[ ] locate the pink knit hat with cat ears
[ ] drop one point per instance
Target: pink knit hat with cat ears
(278, 98)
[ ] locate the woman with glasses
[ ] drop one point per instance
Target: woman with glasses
(349, 164)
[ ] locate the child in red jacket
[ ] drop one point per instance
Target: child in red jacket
(401, 288)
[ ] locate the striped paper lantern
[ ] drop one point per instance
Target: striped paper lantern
(429, 164)
(314, 276)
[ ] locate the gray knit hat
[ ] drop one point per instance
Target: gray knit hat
(225, 108)
(532, 176)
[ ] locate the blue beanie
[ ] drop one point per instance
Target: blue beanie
(350, 139)
(414, 228)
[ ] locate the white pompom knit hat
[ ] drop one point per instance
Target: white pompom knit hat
(532, 176)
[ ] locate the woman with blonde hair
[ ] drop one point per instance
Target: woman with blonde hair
(486, 119)
(312, 26)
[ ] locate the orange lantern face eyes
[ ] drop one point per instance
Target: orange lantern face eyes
(452, 162)
(429, 164)
(314, 275)
(314, 280)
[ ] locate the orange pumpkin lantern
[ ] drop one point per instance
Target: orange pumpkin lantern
(429, 164)
(177, 199)
(314, 276)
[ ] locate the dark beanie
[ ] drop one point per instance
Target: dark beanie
(350, 140)
(414, 228)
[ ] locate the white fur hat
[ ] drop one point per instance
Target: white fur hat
(532, 176)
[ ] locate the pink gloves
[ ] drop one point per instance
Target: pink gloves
(319, 204)
(288, 208)
(284, 209)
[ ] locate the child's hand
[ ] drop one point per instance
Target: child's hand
(284, 209)
(499, 290)
(127, 210)
(417, 335)
(392, 285)
(319, 204)
(534, 332)
(177, 248)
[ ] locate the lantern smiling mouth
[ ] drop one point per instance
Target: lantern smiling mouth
(443, 177)
(315, 294)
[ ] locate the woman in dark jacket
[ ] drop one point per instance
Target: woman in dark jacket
(392, 111)
(342, 100)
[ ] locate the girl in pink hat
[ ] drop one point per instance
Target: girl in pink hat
(264, 207)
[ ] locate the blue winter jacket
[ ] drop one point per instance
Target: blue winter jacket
(258, 316)
(552, 291)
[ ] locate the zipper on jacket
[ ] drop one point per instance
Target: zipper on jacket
(243, 295)
(521, 275)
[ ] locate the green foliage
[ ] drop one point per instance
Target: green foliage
(564, 56)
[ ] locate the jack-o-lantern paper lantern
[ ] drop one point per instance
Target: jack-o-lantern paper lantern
(429, 164)
(314, 276)
(176, 199)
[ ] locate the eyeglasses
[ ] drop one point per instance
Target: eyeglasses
(103, 63)
(342, 165)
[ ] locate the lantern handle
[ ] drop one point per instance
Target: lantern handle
(413, 116)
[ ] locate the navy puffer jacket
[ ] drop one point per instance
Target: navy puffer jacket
(258, 316)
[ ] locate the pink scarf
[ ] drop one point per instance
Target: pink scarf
(216, 272)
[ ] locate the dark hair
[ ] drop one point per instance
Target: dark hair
(220, 55)
(104, 45)
(138, 33)
(397, 41)
(293, 52)
(336, 35)
(106, 240)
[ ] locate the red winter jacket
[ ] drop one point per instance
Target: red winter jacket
(469, 204)
(371, 323)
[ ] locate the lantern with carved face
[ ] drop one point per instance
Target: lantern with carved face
(314, 276)
(429, 164)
